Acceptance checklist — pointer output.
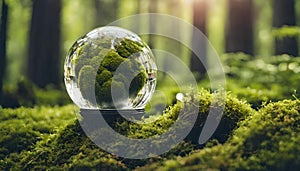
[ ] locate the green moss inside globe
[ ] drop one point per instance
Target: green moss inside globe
(105, 61)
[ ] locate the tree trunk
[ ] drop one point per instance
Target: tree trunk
(240, 31)
(106, 11)
(138, 11)
(199, 21)
(175, 9)
(152, 22)
(284, 14)
(44, 44)
(3, 36)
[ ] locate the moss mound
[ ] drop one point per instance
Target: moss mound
(69, 148)
(234, 111)
(22, 128)
(266, 140)
(101, 62)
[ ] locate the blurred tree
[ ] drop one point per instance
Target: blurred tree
(171, 45)
(106, 11)
(240, 29)
(199, 21)
(138, 8)
(138, 11)
(3, 36)
(284, 14)
(175, 10)
(44, 44)
(152, 23)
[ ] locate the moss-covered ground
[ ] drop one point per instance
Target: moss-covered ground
(50, 138)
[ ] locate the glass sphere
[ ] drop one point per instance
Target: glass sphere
(110, 68)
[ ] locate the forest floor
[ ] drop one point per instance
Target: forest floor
(43, 138)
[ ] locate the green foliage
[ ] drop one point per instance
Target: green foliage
(23, 95)
(102, 63)
(19, 14)
(28, 95)
(286, 31)
(51, 97)
(254, 95)
(259, 81)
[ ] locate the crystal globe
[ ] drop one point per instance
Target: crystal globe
(110, 68)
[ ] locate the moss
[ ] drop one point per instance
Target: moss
(104, 94)
(137, 83)
(265, 140)
(88, 50)
(121, 78)
(95, 62)
(51, 97)
(234, 111)
(26, 94)
(122, 51)
(118, 90)
(106, 63)
(132, 46)
(22, 95)
(68, 147)
(80, 63)
(262, 79)
(157, 124)
(104, 76)
(16, 141)
(22, 128)
(128, 47)
(86, 80)
(268, 139)
(112, 60)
